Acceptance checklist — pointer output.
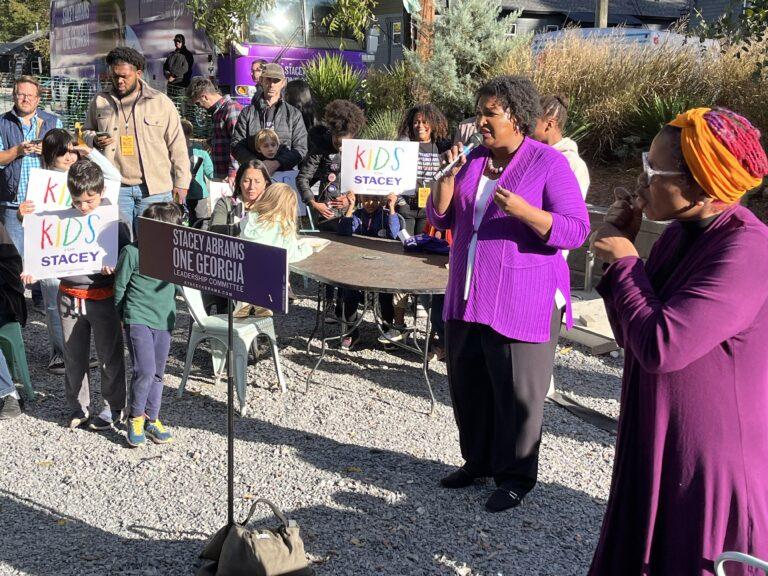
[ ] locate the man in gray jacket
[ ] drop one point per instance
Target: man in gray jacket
(270, 111)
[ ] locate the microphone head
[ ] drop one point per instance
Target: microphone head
(475, 140)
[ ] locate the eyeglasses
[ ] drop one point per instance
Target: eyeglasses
(27, 96)
(649, 172)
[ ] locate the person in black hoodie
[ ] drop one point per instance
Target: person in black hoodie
(343, 119)
(178, 66)
(13, 308)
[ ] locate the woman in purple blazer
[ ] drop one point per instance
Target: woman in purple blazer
(690, 476)
(512, 206)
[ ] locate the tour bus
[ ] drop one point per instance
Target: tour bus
(84, 31)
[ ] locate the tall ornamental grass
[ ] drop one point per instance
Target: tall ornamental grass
(621, 94)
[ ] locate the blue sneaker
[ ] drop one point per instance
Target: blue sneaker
(158, 433)
(135, 434)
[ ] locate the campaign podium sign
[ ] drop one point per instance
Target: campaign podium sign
(67, 243)
(379, 167)
(215, 263)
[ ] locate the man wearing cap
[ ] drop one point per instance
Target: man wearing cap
(270, 111)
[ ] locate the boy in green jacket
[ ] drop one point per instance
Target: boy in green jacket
(147, 309)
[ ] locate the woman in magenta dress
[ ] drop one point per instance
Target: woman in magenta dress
(690, 477)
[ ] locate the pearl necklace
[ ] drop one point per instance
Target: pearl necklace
(494, 170)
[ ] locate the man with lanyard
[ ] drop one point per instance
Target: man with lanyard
(139, 130)
(21, 132)
(224, 113)
(271, 111)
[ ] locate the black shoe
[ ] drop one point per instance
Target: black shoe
(503, 499)
(56, 365)
(458, 479)
(100, 423)
(11, 408)
(77, 419)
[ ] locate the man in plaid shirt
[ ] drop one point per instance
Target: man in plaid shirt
(224, 112)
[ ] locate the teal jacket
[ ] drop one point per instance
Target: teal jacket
(198, 188)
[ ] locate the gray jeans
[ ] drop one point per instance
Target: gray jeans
(79, 318)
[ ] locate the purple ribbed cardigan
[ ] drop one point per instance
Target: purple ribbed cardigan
(516, 273)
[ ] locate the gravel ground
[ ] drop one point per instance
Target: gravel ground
(354, 460)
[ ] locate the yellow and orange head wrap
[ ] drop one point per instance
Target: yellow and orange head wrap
(722, 151)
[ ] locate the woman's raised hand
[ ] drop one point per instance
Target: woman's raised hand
(450, 155)
(624, 214)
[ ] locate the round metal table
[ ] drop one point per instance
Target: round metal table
(372, 266)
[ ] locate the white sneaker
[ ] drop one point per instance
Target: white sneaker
(391, 335)
(421, 312)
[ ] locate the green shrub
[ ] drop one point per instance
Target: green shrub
(389, 88)
(331, 78)
(469, 41)
(383, 125)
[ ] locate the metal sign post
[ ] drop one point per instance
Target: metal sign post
(225, 266)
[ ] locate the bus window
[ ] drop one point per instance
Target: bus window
(317, 32)
(281, 26)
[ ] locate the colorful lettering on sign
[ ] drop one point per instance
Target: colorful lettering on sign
(61, 233)
(378, 158)
(55, 193)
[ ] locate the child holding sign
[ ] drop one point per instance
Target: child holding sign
(147, 307)
(59, 152)
(370, 220)
(87, 303)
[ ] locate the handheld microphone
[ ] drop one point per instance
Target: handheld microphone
(474, 141)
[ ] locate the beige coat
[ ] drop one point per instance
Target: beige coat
(161, 145)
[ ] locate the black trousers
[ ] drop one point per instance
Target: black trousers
(498, 386)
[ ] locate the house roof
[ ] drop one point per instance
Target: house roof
(671, 9)
(19, 43)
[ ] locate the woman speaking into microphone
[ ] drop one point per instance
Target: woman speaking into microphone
(512, 205)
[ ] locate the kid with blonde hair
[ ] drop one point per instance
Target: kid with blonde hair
(267, 143)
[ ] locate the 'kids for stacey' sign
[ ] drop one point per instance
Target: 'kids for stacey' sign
(379, 167)
(59, 240)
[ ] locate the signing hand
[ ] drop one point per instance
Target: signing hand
(322, 209)
(624, 214)
(609, 244)
(511, 203)
(26, 207)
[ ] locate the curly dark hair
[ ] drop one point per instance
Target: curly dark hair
(433, 117)
(516, 94)
(344, 118)
(123, 54)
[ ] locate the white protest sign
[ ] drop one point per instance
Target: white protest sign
(379, 167)
(48, 190)
(67, 243)
(217, 189)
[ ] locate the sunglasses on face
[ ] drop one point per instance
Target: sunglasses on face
(649, 172)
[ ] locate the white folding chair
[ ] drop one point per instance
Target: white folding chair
(738, 557)
(215, 329)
